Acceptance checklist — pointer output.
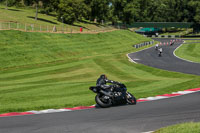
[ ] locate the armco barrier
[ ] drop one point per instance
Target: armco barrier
(165, 36)
(143, 44)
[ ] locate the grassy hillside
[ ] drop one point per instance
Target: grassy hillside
(21, 48)
(43, 70)
(189, 51)
(27, 15)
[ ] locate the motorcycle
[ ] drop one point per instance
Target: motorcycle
(156, 47)
(160, 52)
(112, 96)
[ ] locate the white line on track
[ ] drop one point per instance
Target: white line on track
(148, 132)
(132, 60)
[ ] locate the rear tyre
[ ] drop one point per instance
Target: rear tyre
(102, 101)
(130, 99)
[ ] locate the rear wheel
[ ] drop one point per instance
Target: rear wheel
(103, 101)
(130, 98)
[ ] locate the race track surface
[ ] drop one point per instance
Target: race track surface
(167, 61)
(143, 117)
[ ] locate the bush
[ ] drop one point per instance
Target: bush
(71, 10)
(12, 2)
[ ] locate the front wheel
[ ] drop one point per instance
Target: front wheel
(103, 101)
(130, 98)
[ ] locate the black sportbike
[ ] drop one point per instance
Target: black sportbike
(115, 95)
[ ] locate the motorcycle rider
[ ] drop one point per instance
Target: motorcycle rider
(156, 47)
(160, 51)
(102, 80)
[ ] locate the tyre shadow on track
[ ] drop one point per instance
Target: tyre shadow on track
(113, 106)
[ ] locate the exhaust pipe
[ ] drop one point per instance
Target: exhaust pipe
(106, 93)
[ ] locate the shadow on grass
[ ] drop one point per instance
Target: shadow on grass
(53, 15)
(86, 22)
(80, 26)
(41, 19)
(15, 10)
(12, 9)
(49, 14)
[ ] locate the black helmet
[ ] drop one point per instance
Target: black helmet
(103, 76)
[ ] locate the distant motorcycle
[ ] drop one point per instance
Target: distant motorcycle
(108, 97)
(160, 52)
(156, 47)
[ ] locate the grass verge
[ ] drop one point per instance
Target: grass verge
(191, 127)
(190, 51)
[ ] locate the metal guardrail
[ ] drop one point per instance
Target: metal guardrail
(143, 44)
(165, 36)
(162, 24)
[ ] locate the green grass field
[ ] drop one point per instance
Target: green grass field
(191, 127)
(189, 51)
(44, 70)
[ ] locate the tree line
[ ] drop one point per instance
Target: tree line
(125, 11)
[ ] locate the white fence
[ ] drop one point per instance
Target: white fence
(47, 28)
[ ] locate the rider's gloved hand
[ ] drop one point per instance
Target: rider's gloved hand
(119, 83)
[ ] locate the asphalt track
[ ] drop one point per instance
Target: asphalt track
(168, 61)
(143, 117)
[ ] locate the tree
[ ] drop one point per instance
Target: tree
(131, 12)
(157, 11)
(194, 6)
(36, 7)
(126, 11)
(6, 4)
(36, 3)
(71, 10)
(100, 10)
(50, 5)
(118, 9)
(9, 3)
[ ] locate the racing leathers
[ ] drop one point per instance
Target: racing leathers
(102, 80)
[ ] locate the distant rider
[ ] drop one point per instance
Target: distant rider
(156, 47)
(160, 51)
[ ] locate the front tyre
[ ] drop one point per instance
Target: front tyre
(103, 101)
(130, 99)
